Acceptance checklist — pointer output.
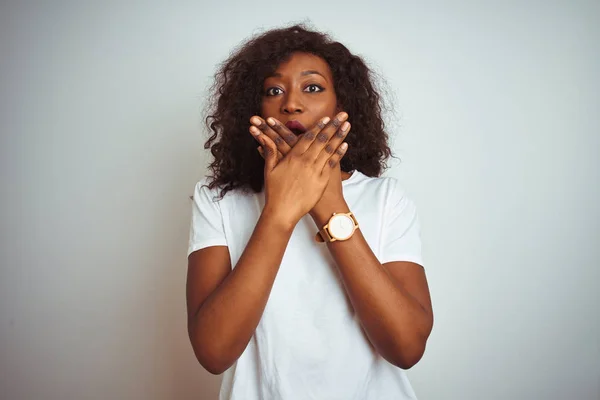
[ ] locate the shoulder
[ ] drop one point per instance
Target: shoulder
(207, 196)
(387, 188)
(203, 189)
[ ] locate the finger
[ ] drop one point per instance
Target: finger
(269, 151)
(262, 153)
(333, 144)
(280, 137)
(288, 136)
(335, 158)
(323, 137)
(308, 137)
(314, 141)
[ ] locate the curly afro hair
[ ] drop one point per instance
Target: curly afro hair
(236, 96)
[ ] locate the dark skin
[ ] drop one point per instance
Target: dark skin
(225, 305)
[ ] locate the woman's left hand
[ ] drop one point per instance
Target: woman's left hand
(284, 139)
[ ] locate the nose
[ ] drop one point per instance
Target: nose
(291, 104)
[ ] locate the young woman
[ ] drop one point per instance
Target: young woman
(305, 278)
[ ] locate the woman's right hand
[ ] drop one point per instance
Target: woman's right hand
(294, 184)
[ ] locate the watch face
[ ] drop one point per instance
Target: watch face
(341, 227)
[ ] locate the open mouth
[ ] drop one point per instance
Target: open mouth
(296, 127)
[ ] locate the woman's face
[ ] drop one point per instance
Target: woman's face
(301, 89)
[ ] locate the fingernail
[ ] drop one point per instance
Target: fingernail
(342, 116)
(256, 121)
(344, 146)
(326, 120)
(345, 126)
(271, 121)
(255, 131)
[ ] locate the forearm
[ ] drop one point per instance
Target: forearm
(395, 322)
(224, 324)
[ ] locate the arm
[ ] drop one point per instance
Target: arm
(225, 305)
(391, 300)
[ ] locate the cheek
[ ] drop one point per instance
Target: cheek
(331, 105)
(266, 108)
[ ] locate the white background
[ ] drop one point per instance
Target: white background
(496, 119)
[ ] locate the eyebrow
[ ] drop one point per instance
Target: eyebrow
(303, 73)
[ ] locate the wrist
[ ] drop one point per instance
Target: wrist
(278, 219)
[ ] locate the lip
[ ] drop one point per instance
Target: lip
(295, 126)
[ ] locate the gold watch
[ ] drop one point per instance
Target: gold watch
(341, 226)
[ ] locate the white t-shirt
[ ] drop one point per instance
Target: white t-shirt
(309, 343)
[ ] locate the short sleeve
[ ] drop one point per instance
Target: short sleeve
(401, 236)
(207, 222)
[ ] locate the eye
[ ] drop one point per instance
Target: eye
(272, 91)
(313, 88)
